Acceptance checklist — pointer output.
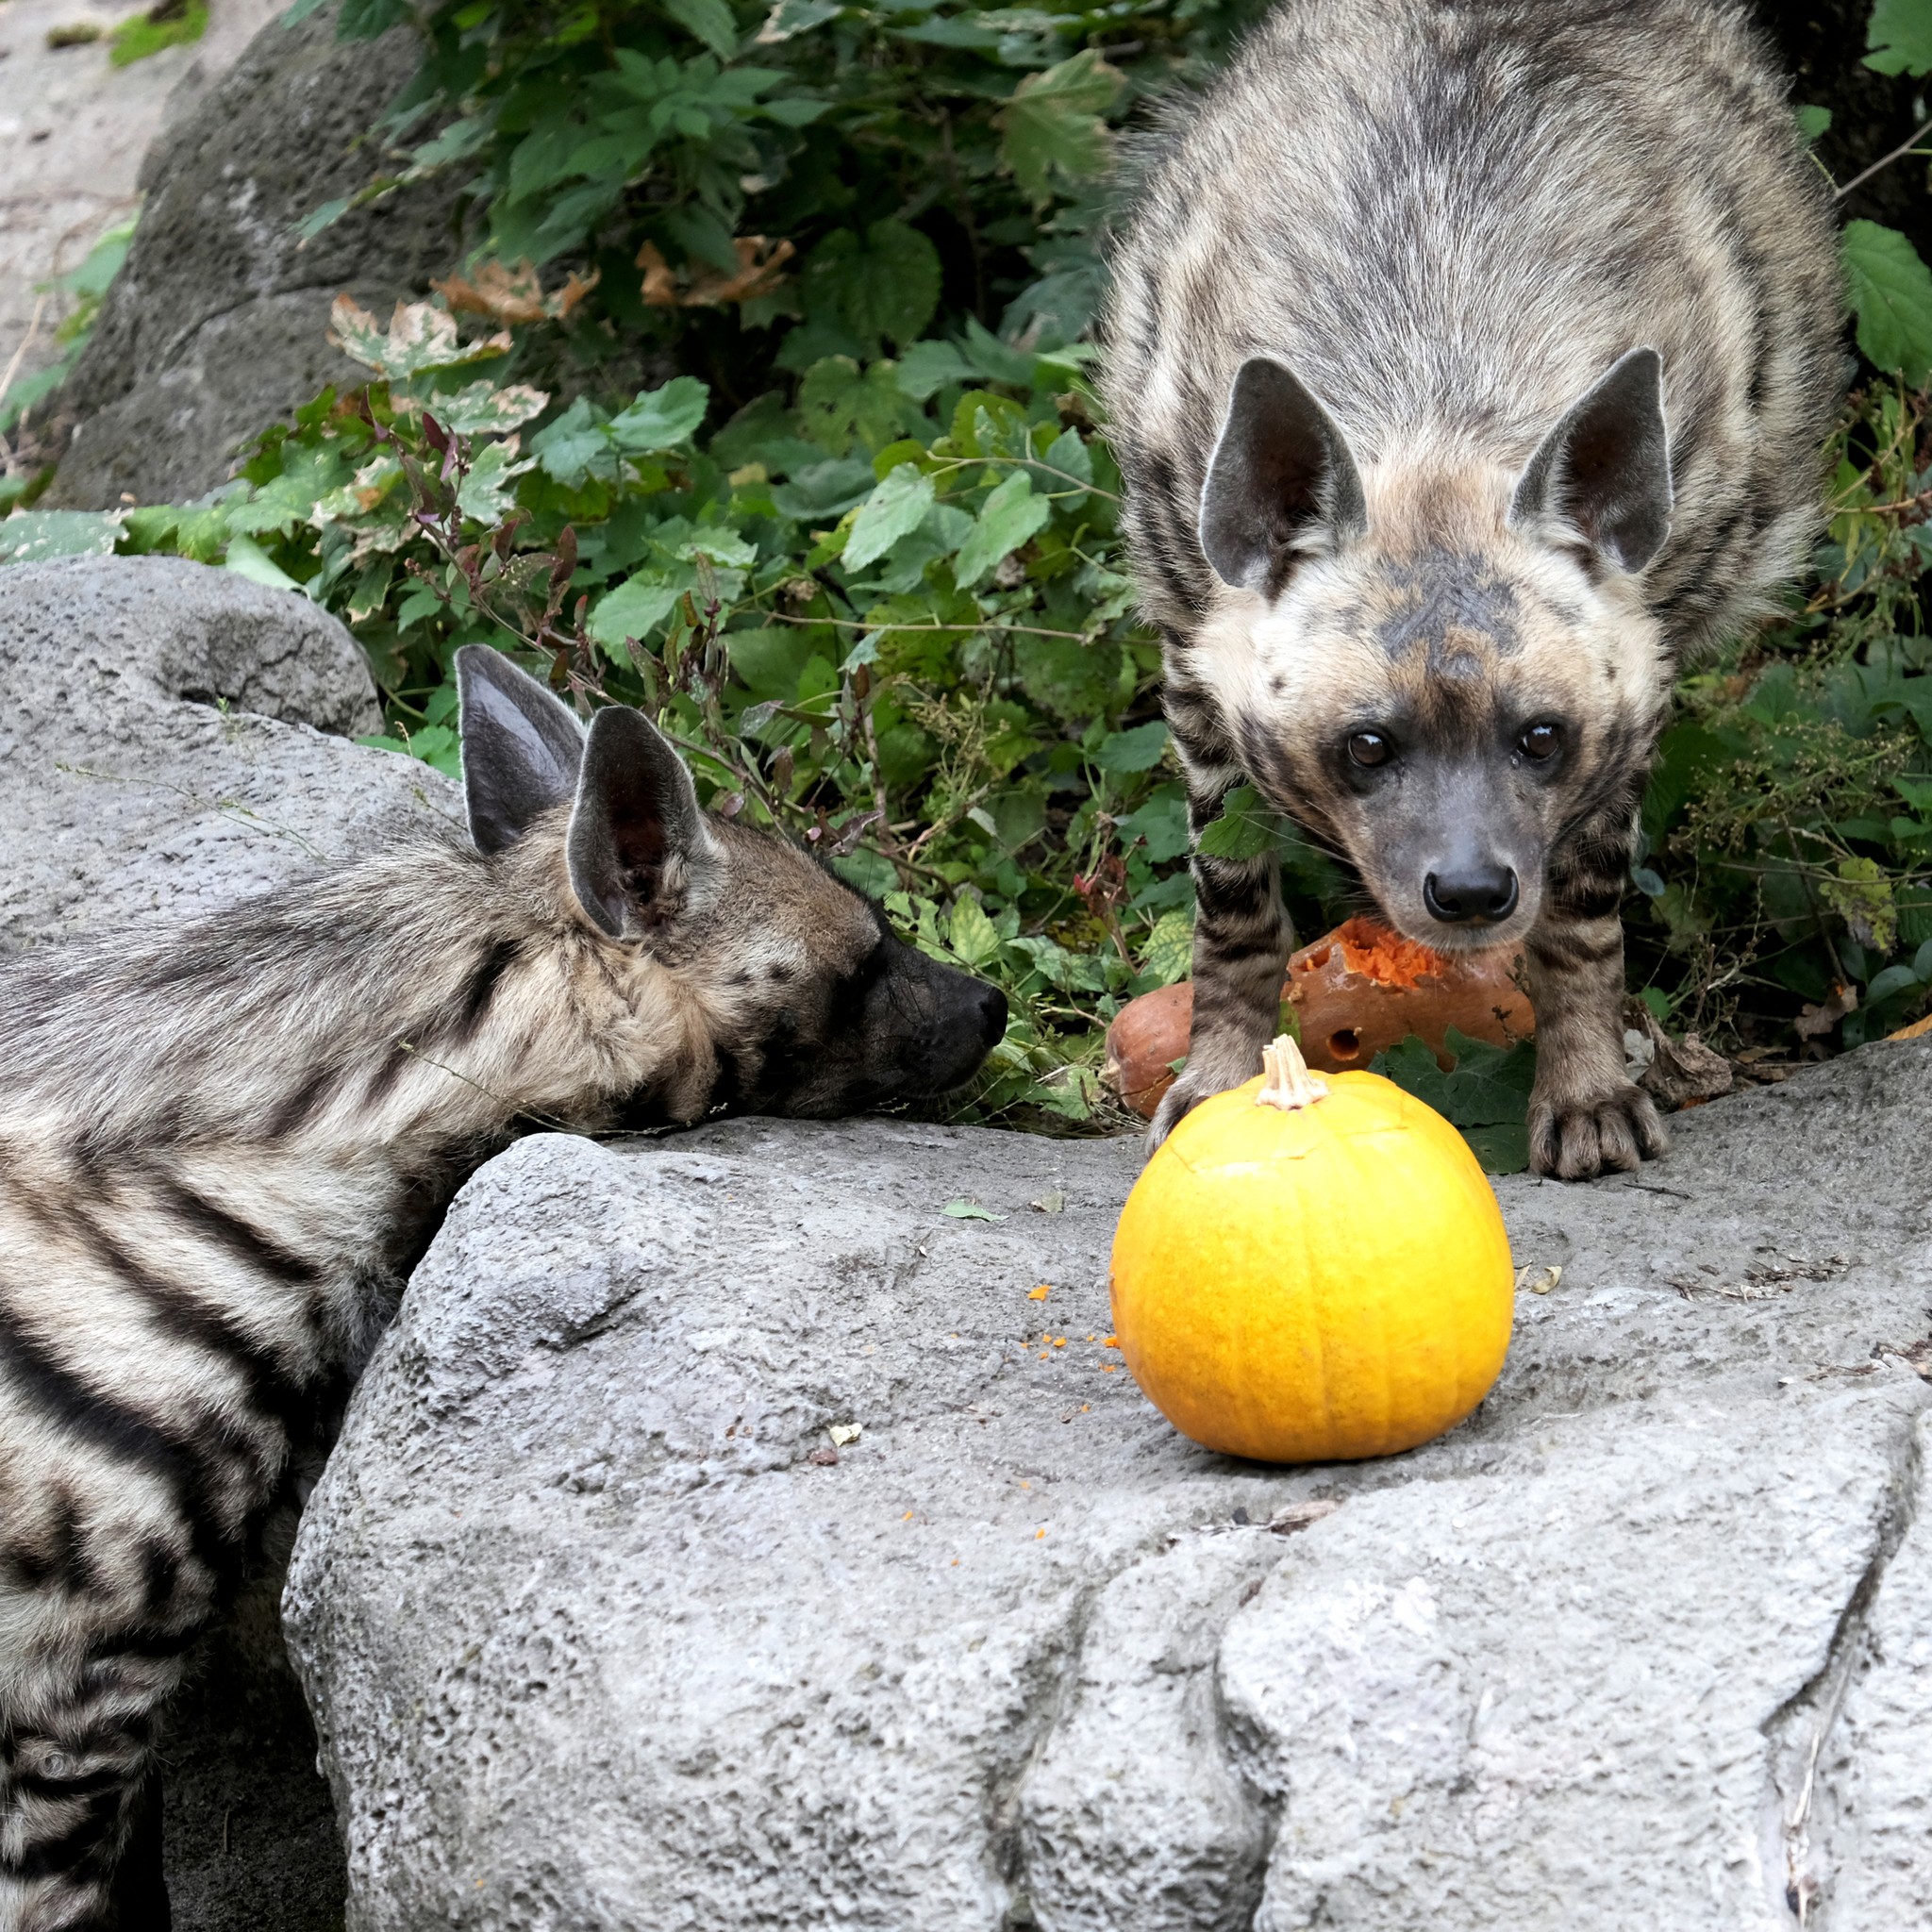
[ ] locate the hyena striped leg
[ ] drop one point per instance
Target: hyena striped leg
(79, 1801)
(1242, 938)
(1586, 1117)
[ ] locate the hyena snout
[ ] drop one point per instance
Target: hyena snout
(929, 1028)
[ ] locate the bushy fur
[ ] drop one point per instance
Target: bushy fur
(1449, 220)
(223, 1148)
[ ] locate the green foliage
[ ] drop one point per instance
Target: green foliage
(863, 559)
(1899, 37)
(79, 291)
(1892, 294)
(1484, 1093)
(1787, 859)
(171, 24)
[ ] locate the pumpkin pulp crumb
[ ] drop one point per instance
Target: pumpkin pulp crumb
(1377, 952)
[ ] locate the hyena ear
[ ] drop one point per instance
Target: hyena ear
(1606, 467)
(1281, 469)
(636, 834)
(521, 747)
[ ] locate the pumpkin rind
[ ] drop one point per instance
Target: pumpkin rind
(1323, 1284)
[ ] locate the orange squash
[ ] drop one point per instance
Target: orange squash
(1312, 1270)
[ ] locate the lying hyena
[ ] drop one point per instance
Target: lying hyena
(221, 1150)
(1469, 362)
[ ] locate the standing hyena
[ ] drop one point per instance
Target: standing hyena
(222, 1150)
(1469, 361)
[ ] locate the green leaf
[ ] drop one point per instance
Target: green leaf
(929, 366)
(963, 1209)
(1484, 1087)
(894, 509)
(790, 17)
(484, 410)
(1812, 122)
(29, 535)
(709, 20)
(1245, 829)
(1138, 750)
(1892, 294)
(970, 934)
(887, 285)
(1010, 517)
(661, 418)
(1893, 979)
(1502, 1148)
(1169, 954)
(1899, 36)
(247, 558)
(573, 445)
(632, 608)
(485, 492)
(1053, 124)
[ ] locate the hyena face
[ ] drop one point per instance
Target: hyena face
(1442, 669)
(794, 996)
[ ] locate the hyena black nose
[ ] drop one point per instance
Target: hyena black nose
(1471, 894)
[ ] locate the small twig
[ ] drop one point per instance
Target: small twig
(1903, 148)
(33, 329)
(1025, 630)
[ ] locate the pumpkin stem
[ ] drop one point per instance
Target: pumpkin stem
(1288, 1083)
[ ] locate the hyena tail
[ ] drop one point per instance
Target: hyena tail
(80, 1797)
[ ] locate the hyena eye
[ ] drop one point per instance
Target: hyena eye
(1540, 741)
(1370, 748)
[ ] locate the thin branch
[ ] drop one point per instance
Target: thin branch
(1903, 148)
(1025, 630)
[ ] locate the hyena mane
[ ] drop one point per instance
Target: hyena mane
(223, 1147)
(1469, 363)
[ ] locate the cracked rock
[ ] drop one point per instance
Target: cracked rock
(597, 1637)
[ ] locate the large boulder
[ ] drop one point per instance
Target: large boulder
(217, 324)
(170, 742)
(601, 1631)
(172, 738)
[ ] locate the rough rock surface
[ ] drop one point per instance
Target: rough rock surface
(598, 1637)
(125, 791)
(74, 129)
(165, 743)
(217, 324)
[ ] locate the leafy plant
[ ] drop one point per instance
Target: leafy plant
(861, 556)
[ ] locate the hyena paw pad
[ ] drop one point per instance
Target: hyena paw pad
(1577, 1140)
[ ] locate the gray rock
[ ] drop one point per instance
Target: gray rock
(217, 324)
(165, 747)
(596, 1637)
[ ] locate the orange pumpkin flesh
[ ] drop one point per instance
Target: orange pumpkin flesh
(1324, 1283)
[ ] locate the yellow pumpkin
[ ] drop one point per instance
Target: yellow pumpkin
(1314, 1270)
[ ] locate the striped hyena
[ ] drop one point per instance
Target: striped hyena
(222, 1150)
(1469, 362)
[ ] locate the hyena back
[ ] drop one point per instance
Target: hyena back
(222, 1150)
(1469, 362)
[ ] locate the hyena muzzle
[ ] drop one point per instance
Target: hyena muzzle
(221, 1150)
(1470, 363)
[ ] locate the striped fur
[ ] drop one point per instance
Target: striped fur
(1448, 221)
(223, 1148)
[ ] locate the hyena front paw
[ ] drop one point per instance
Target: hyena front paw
(1206, 1074)
(1582, 1136)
